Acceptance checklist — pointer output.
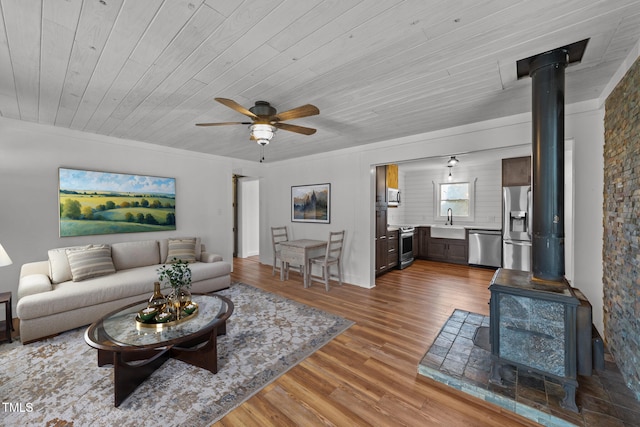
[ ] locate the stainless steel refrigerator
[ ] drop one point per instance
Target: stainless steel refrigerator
(516, 228)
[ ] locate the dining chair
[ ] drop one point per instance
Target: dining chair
(278, 234)
(331, 257)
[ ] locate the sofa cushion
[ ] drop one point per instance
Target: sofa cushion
(203, 270)
(127, 255)
(91, 262)
(69, 296)
(34, 284)
(181, 249)
(59, 269)
(123, 284)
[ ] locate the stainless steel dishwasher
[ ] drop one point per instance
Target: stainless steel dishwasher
(485, 247)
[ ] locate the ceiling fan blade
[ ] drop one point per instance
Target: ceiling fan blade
(223, 124)
(235, 106)
(294, 128)
(296, 113)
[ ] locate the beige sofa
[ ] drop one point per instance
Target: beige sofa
(56, 296)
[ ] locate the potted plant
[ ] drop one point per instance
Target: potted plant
(178, 275)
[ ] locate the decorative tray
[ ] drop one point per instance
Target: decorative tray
(157, 323)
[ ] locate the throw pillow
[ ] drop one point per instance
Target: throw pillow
(127, 255)
(92, 262)
(59, 270)
(181, 249)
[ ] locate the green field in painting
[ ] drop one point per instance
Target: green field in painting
(120, 214)
(95, 200)
(69, 227)
(106, 213)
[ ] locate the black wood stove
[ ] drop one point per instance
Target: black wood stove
(533, 315)
(533, 326)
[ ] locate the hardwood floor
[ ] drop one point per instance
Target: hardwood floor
(368, 375)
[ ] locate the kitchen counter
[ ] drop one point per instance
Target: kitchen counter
(467, 226)
(440, 242)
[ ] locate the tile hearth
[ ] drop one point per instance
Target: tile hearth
(453, 359)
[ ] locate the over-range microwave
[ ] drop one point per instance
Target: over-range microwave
(393, 197)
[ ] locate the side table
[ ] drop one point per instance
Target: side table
(5, 298)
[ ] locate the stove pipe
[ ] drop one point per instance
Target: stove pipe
(547, 73)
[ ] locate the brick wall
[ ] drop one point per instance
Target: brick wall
(621, 251)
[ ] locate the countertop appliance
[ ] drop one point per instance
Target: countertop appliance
(516, 227)
(393, 197)
(485, 247)
(405, 251)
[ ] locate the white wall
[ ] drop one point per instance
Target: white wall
(352, 175)
(342, 171)
(31, 154)
(418, 189)
(587, 130)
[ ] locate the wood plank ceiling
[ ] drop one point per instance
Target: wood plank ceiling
(148, 70)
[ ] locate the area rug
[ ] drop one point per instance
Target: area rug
(57, 381)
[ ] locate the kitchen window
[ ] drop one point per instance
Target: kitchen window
(457, 196)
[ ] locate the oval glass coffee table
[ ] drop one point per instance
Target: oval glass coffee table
(136, 352)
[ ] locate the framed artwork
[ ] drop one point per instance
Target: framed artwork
(93, 202)
(311, 203)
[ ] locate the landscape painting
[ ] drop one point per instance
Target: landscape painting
(105, 203)
(311, 203)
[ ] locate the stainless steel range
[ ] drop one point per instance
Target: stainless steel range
(406, 247)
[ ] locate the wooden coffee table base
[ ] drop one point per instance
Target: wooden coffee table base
(132, 368)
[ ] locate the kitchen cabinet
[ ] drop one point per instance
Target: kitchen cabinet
(457, 251)
(381, 241)
(437, 249)
(381, 222)
(381, 256)
(381, 186)
(392, 176)
(516, 171)
(392, 249)
(421, 242)
(447, 250)
(382, 246)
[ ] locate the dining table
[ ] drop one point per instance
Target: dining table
(298, 252)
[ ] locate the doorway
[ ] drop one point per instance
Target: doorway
(246, 216)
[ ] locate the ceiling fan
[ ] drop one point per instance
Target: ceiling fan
(266, 120)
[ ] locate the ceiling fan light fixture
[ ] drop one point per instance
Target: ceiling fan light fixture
(453, 161)
(262, 133)
(450, 177)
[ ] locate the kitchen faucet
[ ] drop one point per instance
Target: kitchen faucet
(449, 217)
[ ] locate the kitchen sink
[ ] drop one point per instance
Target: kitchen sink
(448, 232)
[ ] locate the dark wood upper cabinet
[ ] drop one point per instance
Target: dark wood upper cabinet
(381, 186)
(516, 171)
